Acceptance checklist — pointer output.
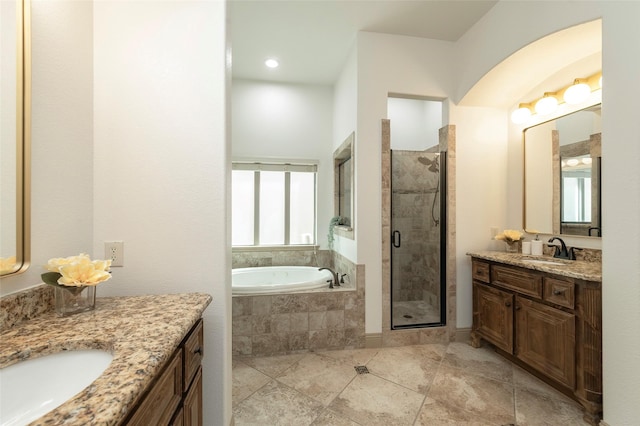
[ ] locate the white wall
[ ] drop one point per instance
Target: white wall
(382, 69)
(287, 121)
(345, 110)
(161, 163)
(481, 185)
(62, 127)
(621, 219)
(414, 123)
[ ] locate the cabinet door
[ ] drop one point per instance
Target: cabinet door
(193, 402)
(493, 315)
(160, 404)
(545, 339)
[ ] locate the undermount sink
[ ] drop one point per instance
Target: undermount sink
(31, 388)
(543, 262)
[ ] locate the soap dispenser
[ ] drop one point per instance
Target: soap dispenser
(536, 246)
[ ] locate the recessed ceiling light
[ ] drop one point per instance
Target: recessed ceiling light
(271, 63)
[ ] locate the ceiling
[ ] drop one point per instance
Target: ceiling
(312, 39)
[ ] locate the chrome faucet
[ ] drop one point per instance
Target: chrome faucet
(334, 280)
(561, 251)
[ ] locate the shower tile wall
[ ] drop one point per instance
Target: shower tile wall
(416, 264)
(302, 322)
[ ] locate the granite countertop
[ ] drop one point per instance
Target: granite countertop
(588, 271)
(141, 332)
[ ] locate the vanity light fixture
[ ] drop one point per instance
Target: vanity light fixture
(578, 92)
(575, 93)
(271, 63)
(547, 104)
(522, 114)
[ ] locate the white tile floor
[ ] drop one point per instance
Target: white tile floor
(435, 384)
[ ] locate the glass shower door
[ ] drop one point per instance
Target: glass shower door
(417, 241)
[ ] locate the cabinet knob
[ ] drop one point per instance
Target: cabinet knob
(198, 351)
(507, 304)
(558, 292)
(518, 307)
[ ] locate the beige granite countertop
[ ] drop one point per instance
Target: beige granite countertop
(141, 332)
(588, 271)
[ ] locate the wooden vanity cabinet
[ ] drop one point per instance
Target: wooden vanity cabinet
(548, 324)
(174, 398)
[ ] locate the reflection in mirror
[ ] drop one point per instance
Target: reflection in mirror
(14, 135)
(562, 170)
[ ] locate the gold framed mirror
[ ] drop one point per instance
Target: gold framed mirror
(562, 175)
(15, 136)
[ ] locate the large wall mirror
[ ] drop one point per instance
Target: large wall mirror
(562, 169)
(15, 71)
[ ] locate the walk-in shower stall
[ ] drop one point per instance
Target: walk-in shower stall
(417, 214)
(418, 236)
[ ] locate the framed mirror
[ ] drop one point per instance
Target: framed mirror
(562, 169)
(15, 123)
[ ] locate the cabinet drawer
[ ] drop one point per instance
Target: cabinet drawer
(193, 353)
(559, 292)
(480, 271)
(161, 402)
(518, 280)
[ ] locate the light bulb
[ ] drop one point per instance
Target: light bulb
(547, 104)
(271, 63)
(572, 162)
(578, 92)
(521, 114)
(587, 160)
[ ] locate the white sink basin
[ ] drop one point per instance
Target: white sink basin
(31, 388)
(543, 262)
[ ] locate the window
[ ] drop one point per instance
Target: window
(273, 204)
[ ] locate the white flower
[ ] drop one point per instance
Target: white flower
(80, 270)
(509, 235)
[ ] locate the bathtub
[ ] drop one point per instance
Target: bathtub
(278, 279)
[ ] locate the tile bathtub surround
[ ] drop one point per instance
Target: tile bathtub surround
(274, 257)
(286, 323)
(25, 305)
(299, 322)
(432, 384)
(142, 332)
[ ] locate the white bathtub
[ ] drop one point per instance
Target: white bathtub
(278, 279)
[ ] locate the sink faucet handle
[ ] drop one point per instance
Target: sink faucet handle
(572, 252)
(561, 250)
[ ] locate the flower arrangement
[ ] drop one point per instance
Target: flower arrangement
(509, 236)
(76, 271)
(75, 279)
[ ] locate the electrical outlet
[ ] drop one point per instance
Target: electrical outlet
(114, 250)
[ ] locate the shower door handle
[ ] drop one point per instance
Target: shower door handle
(395, 243)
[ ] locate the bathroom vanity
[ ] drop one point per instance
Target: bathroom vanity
(155, 376)
(544, 316)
